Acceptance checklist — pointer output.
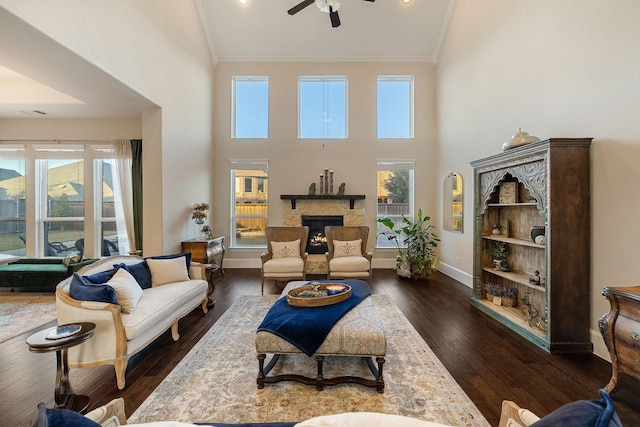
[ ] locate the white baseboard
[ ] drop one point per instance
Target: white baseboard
(455, 273)
(599, 348)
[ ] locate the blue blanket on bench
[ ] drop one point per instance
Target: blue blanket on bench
(307, 327)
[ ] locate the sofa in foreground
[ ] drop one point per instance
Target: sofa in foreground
(582, 413)
(132, 301)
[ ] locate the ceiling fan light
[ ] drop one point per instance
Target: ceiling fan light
(327, 5)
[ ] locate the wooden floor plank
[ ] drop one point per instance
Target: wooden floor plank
(489, 361)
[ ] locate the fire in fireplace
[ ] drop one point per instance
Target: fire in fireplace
(317, 243)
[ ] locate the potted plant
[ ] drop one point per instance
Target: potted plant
(499, 251)
(417, 251)
(501, 295)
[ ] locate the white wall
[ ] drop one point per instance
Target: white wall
(556, 69)
(155, 50)
(294, 164)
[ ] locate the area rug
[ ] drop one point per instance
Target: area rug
(23, 312)
(216, 381)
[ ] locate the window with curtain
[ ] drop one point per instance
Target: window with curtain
(395, 186)
(249, 213)
(68, 191)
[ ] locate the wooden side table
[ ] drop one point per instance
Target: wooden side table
(38, 343)
(209, 252)
(620, 328)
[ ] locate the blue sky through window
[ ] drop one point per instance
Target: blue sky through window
(322, 107)
(394, 107)
(251, 97)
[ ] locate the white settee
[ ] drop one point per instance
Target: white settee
(119, 335)
(113, 415)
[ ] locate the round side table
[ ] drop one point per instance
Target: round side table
(39, 343)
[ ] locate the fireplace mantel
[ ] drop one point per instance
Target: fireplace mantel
(350, 197)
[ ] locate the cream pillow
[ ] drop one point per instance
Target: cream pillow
(366, 419)
(286, 249)
(128, 292)
(347, 248)
(167, 270)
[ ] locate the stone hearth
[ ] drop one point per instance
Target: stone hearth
(316, 264)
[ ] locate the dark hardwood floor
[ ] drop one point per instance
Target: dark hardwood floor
(489, 361)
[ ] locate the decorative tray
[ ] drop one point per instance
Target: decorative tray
(318, 294)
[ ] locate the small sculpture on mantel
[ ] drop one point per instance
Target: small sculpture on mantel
(312, 189)
(341, 189)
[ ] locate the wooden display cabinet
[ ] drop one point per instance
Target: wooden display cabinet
(551, 182)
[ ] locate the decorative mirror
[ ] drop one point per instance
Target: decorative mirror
(452, 193)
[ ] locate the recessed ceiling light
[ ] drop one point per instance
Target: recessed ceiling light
(243, 1)
(406, 1)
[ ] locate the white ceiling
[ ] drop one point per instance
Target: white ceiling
(261, 30)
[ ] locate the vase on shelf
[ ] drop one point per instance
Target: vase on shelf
(199, 220)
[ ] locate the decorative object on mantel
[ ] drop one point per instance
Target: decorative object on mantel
(520, 138)
(199, 214)
(341, 189)
(326, 182)
(312, 189)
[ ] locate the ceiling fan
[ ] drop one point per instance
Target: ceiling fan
(328, 6)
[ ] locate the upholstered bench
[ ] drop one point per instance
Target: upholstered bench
(37, 274)
(359, 333)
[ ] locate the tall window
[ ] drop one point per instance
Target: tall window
(322, 107)
(68, 192)
(250, 98)
(395, 106)
(13, 200)
(62, 201)
(395, 195)
(249, 192)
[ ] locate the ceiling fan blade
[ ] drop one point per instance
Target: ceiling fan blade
(297, 8)
(370, 0)
(335, 19)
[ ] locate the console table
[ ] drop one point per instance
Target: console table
(209, 252)
(620, 328)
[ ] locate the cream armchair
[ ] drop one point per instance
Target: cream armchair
(285, 258)
(348, 257)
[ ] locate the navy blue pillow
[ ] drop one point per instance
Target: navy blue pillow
(583, 413)
(140, 272)
(187, 256)
(51, 417)
(83, 290)
(101, 277)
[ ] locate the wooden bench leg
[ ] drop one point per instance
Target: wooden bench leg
(319, 377)
(260, 380)
(379, 377)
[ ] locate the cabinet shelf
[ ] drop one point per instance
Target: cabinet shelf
(514, 317)
(513, 241)
(514, 276)
(503, 205)
(541, 171)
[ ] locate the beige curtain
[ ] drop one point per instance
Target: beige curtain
(123, 168)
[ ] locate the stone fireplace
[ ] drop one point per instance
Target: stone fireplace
(324, 207)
